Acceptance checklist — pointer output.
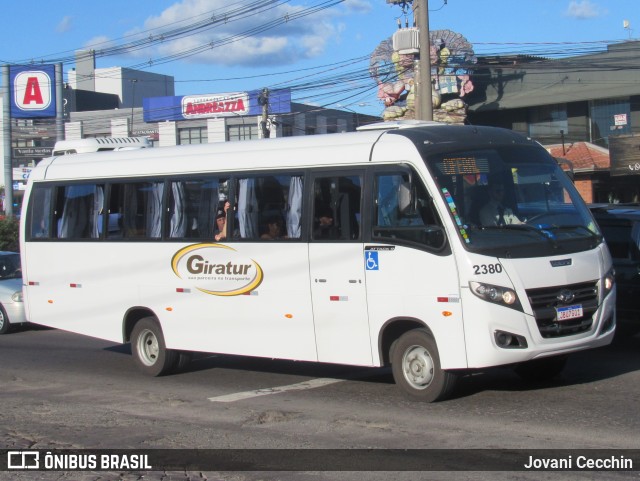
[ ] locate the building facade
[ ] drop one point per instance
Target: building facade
(591, 98)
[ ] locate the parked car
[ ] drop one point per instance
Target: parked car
(11, 305)
(620, 225)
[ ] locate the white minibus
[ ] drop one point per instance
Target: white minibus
(435, 249)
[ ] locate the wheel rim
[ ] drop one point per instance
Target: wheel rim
(148, 347)
(417, 367)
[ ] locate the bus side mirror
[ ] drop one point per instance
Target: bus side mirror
(435, 237)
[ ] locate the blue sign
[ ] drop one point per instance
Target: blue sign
(229, 104)
(371, 260)
(32, 91)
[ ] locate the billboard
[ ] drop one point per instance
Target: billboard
(229, 104)
(32, 91)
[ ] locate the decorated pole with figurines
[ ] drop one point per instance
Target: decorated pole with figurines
(393, 64)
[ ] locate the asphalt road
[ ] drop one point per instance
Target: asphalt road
(64, 391)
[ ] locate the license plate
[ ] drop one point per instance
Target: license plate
(569, 312)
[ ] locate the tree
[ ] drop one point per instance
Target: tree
(9, 231)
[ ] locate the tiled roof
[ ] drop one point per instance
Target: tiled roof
(584, 156)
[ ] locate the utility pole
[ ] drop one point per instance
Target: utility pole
(422, 86)
(424, 104)
(6, 122)
(263, 100)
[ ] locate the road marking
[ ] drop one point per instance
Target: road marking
(301, 386)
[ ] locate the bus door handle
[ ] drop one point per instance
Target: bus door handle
(321, 280)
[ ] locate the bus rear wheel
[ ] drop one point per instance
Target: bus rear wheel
(150, 352)
(415, 364)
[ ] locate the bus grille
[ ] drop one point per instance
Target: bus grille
(544, 302)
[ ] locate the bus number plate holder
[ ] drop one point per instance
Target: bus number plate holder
(569, 312)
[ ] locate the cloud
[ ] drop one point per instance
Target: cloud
(358, 6)
(96, 43)
(245, 41)
(65, 24)
(583, 9)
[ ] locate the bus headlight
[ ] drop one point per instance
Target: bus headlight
(16, 296)
(608, 281)
(498, 295)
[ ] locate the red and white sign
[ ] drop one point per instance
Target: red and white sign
(620, 119)
(218, 105)
(32, 90)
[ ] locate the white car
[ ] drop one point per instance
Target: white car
(11, 305)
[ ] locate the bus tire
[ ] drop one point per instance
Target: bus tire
(4, 321)
(415, 364)
(149, 350)
(539, 370)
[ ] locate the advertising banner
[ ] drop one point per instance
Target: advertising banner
(229, 104)
(32, 91)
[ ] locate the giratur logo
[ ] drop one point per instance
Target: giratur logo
(217, 269)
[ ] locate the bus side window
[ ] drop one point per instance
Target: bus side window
(40, 212)
(270, 207)
(404, 211)
(193, 205)
(79, 207)
(140, 205)
(337, 197)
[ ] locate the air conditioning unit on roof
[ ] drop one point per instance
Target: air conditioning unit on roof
(405, 41)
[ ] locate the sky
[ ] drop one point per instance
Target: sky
(317, 46)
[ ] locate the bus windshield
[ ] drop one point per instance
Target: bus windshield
(513, 201)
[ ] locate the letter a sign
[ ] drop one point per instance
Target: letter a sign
(32, 91)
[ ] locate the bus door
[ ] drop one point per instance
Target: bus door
(410, 270)
(337, 273)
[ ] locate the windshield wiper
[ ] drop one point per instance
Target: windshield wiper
(577, 227)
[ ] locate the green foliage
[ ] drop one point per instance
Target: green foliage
(9, 230)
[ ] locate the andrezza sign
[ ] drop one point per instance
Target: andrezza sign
(199, 106)
(216, 269)
(191, 107)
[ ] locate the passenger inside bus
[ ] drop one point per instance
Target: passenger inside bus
(274, 229)
(325, 228)
(495, 212)
(221, 223)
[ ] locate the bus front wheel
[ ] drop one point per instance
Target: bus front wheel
(415, 364)
(150, 352)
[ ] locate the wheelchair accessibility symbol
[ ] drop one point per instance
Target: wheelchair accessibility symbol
(371, 261)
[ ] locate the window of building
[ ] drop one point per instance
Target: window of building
(192, 135)
(242, 132)
(287, 130)
(547, 122)
(609, 117)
